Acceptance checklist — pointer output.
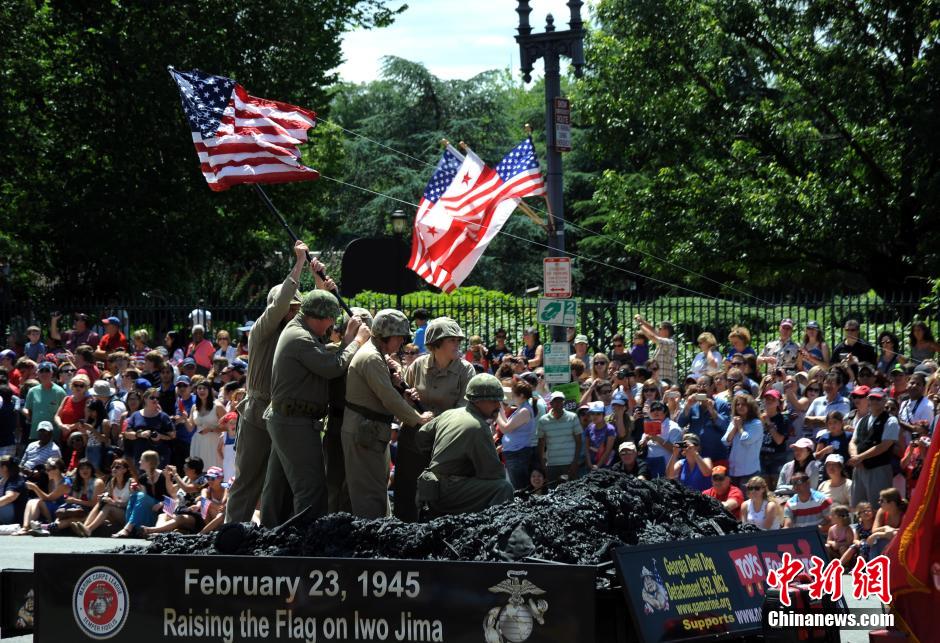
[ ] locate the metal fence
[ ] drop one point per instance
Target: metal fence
(599, 320)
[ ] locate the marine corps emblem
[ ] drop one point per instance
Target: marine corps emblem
(514, 621)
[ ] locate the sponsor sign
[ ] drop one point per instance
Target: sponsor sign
(244, 598)
(708, 587)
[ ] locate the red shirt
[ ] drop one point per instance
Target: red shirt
(14, 377)
(733, 492)
(72, 411)
(111, 343)
(201, 352)
(91, 371)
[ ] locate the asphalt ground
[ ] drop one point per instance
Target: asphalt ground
(16, 552)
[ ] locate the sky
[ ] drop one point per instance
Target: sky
(452, 39)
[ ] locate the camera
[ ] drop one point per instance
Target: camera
(682, 444)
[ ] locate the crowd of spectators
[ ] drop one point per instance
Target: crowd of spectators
(100, 432)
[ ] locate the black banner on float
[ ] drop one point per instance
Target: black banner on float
(241, 598)
(707, 587)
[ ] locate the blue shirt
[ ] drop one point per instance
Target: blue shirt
(36, 352)
(523, 436)
(691, 476)
(744, 458)
(419, 338)
(821, 406)
(710, 432)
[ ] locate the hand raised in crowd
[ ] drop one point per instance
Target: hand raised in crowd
(426, 417)
(352, 327)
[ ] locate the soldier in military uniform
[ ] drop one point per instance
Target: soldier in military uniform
(336, 488)
(372, 402)
(465, 473)
(440, 379)
(300, 378)
(253, 443)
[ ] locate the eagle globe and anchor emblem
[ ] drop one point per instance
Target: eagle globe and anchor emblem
(514, 621)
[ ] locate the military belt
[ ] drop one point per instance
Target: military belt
(296, 408)
(369, 414)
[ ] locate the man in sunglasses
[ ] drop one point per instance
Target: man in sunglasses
(724, 492)
(870, 450)
(806, 507)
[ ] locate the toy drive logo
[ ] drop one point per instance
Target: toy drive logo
(99, 603)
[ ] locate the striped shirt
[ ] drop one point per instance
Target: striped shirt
(808, 513)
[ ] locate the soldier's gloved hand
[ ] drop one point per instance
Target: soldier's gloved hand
(426, 417)
(355, 322)
(364, 334)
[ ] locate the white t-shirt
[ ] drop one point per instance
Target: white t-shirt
(913, 412)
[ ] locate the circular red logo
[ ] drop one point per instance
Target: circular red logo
(99, 602)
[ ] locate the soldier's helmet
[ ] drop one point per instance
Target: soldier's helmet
(484, 386)
(442, 328)
(320, 304)
(390, 323)
(363, 314)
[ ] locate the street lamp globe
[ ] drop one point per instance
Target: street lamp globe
(399, 222)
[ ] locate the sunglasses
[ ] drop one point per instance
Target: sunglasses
(718, 477)
(181, 385)
(600, 363)
(814, 390)
(799, 480)
(153, 398)
(67, 370)
(79, 385)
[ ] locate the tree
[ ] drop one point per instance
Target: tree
(100, 178)
(769, 142)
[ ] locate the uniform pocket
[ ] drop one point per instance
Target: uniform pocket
(373, 435)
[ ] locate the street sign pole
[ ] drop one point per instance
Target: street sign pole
(551, 46)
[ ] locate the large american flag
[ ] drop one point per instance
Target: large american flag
(443, 176)
(241, 138)
(453, 229)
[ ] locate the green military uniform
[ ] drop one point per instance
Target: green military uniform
(440, 389)
(464, 468)
(371, 405)
(253, 443)
(336, 489)
(302, 369)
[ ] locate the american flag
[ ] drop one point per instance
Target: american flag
(169, 505)
(452, 233)
(241, 138)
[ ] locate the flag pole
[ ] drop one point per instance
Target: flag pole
(267, 201)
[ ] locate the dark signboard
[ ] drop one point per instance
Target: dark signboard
(707, 587)
(16, 598)
(240, 598)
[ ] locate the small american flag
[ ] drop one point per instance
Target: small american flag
(169, 505)
(241, 138)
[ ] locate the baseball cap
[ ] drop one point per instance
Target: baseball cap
(813, 324)
(803, 443)
(142, 382)
(8, 354)
(45, 425)
(530, 377)
(557, 395)
(33, 329)
(584, 408)
(626, 446)
(898, 368)
(239, 365)
(214, 472)
(834, 457)
(861, 391)
(183, 379)
(772, 392)
(877, 393)
(111, 320)
(46, 366)
(923, 368)
(658, 406)
(619, 398)
(596, 407)
(199, 327)
(787, 322)
(580, 339)
(189, 361)
(719, 471)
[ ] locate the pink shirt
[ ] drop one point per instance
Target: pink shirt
(202, 353)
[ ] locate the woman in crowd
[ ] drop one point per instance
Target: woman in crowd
(837, 487)
(132, 402)
(42, 508)
(96, 438)
(518, 430)
(66, 373)
(599, 367)
(71, 410)
(174, 343)
(86, 491)
(760, 508)
(708, 359)
(887, 520)
(409, 353)
(890, 345)
(802, 462)
(923, 345)
(740, 340)
(798, 404)
(532, 348)
(146, 498)
(113, 501)
(687, 466)
(149, 428)
(12, 491)
(813, 350)
(745, 436)
(225, 350)
(205, 415)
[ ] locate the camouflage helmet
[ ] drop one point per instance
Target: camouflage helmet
(389, 322)
(442, 328)
(484, 386)
(363, 314)
(319, 304)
